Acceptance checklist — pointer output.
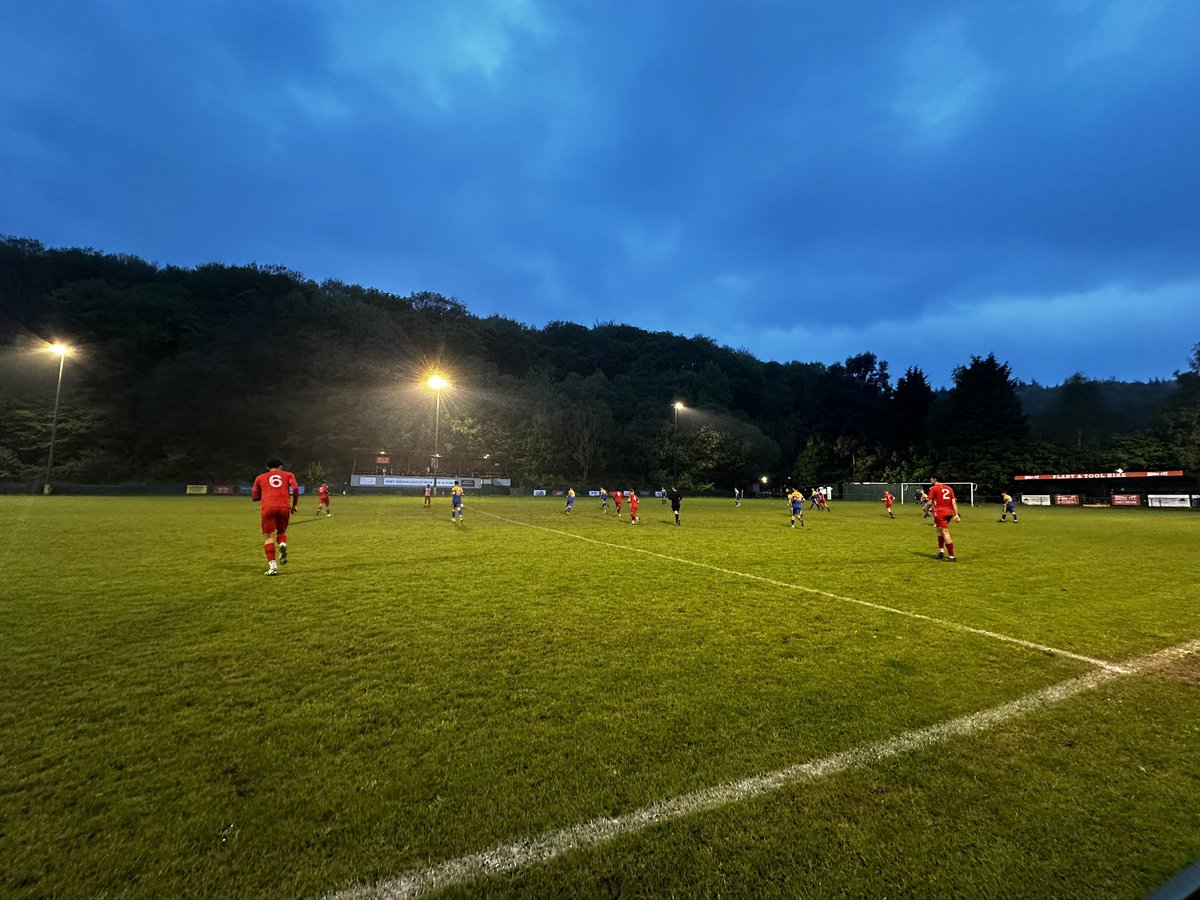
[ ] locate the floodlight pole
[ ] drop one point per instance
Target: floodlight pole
(677, 406)
(437, 382)
(62, 358)
(437, 418)
(675, 441)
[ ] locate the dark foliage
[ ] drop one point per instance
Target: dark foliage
(200, 374)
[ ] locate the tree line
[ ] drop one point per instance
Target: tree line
(198, 374)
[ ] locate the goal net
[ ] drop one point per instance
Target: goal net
(963, 490)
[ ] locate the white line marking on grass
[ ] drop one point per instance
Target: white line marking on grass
(542, 848)
(945, 623)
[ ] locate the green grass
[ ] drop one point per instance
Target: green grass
(409, 691)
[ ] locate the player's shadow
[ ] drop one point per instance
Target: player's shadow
(932, 557)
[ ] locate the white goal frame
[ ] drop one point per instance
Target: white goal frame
(968, 486)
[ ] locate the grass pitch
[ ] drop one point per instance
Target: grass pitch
(411, 694)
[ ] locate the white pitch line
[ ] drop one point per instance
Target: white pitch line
(542, 848)
(945, 623)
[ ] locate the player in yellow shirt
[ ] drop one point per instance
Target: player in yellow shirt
(570, 500)
(1008, 508)
(456, 508)
(797, 500)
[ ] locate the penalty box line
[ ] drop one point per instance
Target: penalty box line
(945, 623)
(506, 858)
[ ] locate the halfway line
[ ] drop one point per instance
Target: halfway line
(542, 848)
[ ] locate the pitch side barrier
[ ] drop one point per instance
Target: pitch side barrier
(1159, 489)
(171, 489)
(414, 485)
(1126, 500)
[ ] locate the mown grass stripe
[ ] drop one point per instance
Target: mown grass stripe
(945, 623)
(519, 854)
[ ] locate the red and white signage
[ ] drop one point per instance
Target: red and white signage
(1171, 473)
(1066, 500)
(1126, 499)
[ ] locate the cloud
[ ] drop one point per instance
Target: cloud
(1102, 332)
(797, 182)
(1117, 28)
(437, 54)
(942, 82)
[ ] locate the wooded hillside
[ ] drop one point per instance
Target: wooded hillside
(200, 374)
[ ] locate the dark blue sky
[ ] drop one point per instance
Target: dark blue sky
(925, 181)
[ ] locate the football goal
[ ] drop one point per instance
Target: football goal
(963, 490)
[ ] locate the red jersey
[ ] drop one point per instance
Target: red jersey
(275, 489)
(888, 498)
(942, 496)
(323, 493)
(633, 501)
(617, 498)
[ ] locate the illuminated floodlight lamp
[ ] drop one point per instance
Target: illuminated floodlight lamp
(437, 382)
(60, 350)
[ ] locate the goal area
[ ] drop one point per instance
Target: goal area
(963, 490)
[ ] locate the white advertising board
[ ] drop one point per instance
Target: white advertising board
(1173, 500)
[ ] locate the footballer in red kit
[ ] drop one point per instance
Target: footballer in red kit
(323, 500)
(945, 510)
(278, 493)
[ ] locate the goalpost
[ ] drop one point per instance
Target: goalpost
(960, 488)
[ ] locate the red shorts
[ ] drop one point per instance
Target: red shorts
(943, 518)
(322, 501)
(275, 520)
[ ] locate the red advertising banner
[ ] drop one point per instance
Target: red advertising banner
(1066, 499)
(383, 460)
(1126, 499)
(1170, 473)
(222, 488)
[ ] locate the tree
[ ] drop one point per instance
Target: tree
(587, 418)
(199, 374)
(911, 403)
(1079, 415)
(1183, 420)
(982, 429)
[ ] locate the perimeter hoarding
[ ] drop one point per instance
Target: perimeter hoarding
(1095, 476)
